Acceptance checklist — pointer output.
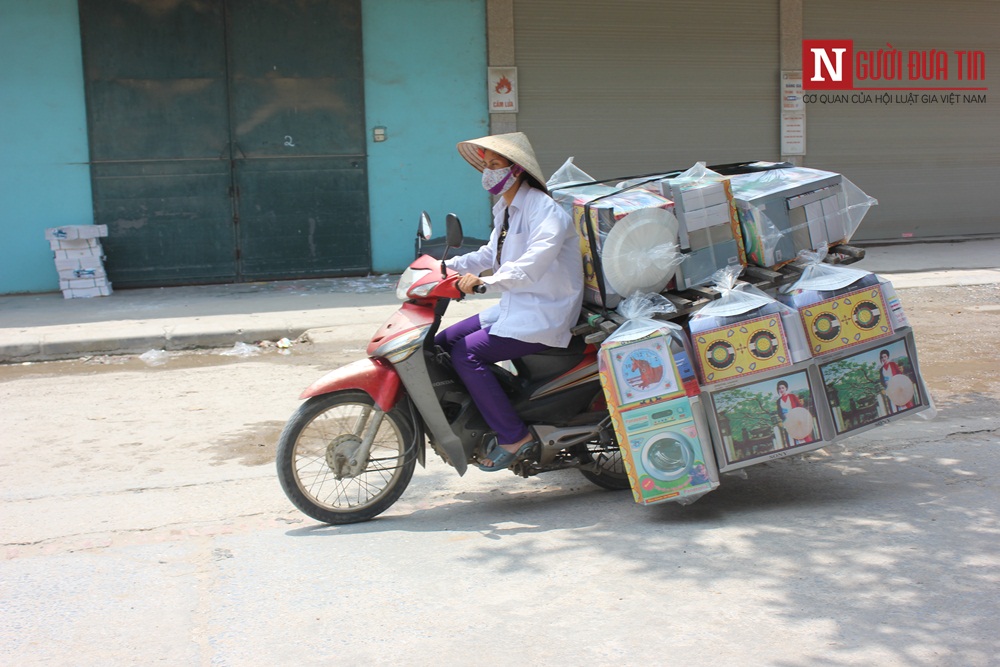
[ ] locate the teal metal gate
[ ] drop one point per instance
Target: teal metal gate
(227, 138)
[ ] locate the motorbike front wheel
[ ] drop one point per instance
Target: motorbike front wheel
(317, 460)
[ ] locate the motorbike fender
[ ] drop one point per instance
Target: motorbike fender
(375, 377)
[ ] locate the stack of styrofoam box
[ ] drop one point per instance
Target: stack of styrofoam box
(79, 260)
(710, 236)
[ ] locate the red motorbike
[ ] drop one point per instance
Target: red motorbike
(349, 451)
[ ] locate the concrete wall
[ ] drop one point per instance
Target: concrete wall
(44, 177)
(425, 82)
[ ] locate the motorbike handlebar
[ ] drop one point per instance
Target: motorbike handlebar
(479, 289)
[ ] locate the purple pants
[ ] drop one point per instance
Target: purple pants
(473, 350)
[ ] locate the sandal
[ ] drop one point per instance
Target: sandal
(502, 459)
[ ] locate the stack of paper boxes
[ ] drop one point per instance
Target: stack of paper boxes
(79, 260)
(710, 235)
(765, 403)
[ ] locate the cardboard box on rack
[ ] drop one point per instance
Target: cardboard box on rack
(823, 213)
(842, 307)
(768, 416)
(748, 347)
(652, 397)
(846, 320)
(700, 204)
(600, 215)
(699, 266)
(745, 332)
(646, 370)
(777, 221)
(813, 403)
(873, 384)
(667, 451)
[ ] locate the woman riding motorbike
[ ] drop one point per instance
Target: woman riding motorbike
(537, 269)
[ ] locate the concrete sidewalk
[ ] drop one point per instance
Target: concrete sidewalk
(45, 326)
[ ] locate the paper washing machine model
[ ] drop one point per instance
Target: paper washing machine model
(667, 456)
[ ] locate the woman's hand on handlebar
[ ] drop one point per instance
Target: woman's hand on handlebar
(469, 283)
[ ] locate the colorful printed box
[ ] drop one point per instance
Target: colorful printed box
(667, 456)
(769, 417)
(646, 370)
(752, 346)
(874, 386)
(846, 320)
(652, 396)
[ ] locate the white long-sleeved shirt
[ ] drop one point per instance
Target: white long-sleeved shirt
(541, 278)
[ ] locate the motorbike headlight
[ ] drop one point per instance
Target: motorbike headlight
(406, 281)
(402, 346)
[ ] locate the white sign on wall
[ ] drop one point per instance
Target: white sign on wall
(793, 114)
(503, 89)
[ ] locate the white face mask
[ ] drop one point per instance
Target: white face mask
(499, 181)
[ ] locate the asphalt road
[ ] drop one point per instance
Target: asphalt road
(143, 523)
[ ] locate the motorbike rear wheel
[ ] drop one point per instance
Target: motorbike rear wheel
(610, 473)
(316, 451)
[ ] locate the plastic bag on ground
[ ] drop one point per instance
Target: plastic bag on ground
(241, 349)
(155, 357)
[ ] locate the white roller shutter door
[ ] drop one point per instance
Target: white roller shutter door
(637, 86)
(933, 166)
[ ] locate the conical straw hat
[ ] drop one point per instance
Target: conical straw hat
(514, 146)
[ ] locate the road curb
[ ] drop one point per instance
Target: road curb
(73, 348)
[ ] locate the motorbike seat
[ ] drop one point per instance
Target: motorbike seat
(548, 364)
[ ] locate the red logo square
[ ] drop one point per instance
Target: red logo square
(827, 64)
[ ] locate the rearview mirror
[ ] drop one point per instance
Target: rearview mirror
(453, 231)
(424, 228)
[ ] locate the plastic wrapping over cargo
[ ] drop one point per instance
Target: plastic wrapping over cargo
(569, 181)
(784, 211)
(639, 311)
(847, 311)
(653, 399)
